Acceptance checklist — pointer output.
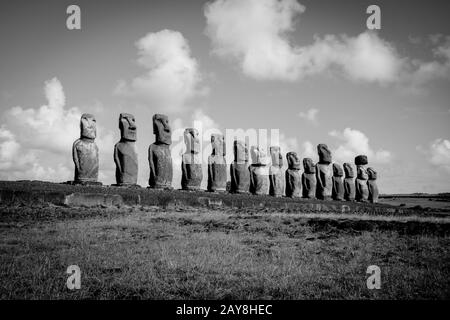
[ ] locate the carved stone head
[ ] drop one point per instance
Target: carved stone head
(337, 170)
(218, 145)
(240, 150)
(88, 126)
(191, 140)
(372, 174)
(348, 170)
(308, 165)
(276, 157)
(259, 156)
(293, 160)
(127, 126)
(361, 172)
(324, 154)
(161, 129)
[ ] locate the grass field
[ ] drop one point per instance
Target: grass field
(187, 253)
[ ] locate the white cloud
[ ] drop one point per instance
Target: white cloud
(438, 153)
(310, 115)
(172, 75)
(255, 33)
(354, 143)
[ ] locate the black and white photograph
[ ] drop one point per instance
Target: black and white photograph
(224, 155)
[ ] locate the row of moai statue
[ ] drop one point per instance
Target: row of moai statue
(263, 176)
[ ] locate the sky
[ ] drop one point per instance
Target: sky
(310, 71)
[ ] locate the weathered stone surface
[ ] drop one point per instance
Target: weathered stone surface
(239, 169)
(217, 165)
(324, 178)
(159, 155)
(259, 172)
(276, 188)
(309, 179)
(349, 183)
(125, 154)
(361, 160)
(292, 176)
(191, 164)
(361, 190)
(85, 152)
(372, 185)
(324, 154)
(338, 183)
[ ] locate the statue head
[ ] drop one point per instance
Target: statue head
(259, 156)
(240, 150)
(218, 145)
(127, 126)
(308, 165)
(191, 140)
(372, 174)
(276, 157)
(161, 129)
(324, 154)
(337, 170)
(88, 126)
(361, 172)
(293, 160)
(348, 170)
(361, 160)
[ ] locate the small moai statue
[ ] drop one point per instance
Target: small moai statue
(191, 164)
(361, 190)
(324, 173)
(338, 183)
(292, 176)
(372, 185)
(159, 156)
(349, 184)
(309, 179)
(276, 188)
(125, 154)
(259, 172)
(85, 152)
(239, 169)
(217, 165)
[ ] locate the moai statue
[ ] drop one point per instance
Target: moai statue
(324, 173)
(125, 155)
(191, 164)
(349, 184)
(361, 190)
(309, 179)
(217, 165)
(85, 152)
(259, 172)
(372, 185)
(239, 170)
(292, 175)
(276, 188)
(159, 156)
(338, 183)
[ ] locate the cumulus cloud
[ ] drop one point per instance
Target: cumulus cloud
(255, 33)
(438, 153)
(310, 115)
(355, 142)
(172, 75)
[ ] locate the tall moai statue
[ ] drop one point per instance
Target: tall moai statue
(338, 183)
(159, 156)
(239, 170)
(191, 163)
(309, 179)
(372, 185)
(259, 172)
(125, 154)
(217, 165)
(292, 176)
(85, 152)
(324, 173)
(349, 184)
(276, 188)
(361, 190)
